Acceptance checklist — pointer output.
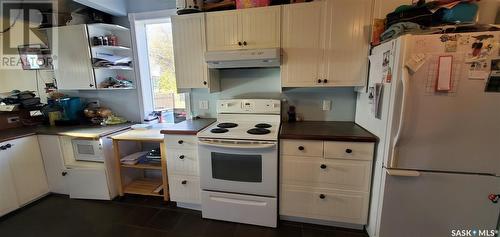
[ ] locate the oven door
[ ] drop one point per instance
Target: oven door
(246, 167)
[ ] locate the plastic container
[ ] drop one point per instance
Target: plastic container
(240, 4)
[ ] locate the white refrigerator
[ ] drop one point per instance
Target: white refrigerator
(437, 167)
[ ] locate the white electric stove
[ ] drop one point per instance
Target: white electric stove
(238, 157)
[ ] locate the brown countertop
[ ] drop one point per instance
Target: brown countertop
(188, 127)
(328, 131)
(84, 131)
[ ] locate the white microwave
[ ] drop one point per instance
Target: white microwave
(88, 150)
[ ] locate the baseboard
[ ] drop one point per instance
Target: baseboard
(322, 222)
(191, 206)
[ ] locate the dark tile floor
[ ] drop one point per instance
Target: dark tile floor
(59, 216)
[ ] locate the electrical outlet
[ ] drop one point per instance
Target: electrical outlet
(203, 104)
(327, 105)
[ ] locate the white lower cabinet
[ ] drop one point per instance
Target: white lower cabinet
(87, 183)
(325, 180)
(184, 188)
(182, 166)
(22, 174)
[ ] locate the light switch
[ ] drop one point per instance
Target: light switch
(327, 105)
(203, 104)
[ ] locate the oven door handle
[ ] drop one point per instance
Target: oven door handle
(237, 145)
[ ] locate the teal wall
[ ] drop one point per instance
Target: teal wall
(265, 84)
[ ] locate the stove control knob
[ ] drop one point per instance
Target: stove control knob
(301, 148)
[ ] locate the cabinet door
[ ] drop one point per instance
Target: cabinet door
(302, 52)
(27, 169)
(8, 198)
(53, 161)
(346, 42)
(88, 183)
(73, 67)
(223, 30)
(260, 27)
(189, 48)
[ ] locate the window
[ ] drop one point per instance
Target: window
(155, 56)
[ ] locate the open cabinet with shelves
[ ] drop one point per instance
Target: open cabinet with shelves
(102, 59)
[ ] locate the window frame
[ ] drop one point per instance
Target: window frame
(138, 22)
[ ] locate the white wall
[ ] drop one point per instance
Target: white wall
(113, 7)
(134, 6)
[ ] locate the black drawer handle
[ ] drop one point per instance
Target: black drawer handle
(319, 81)
(240, 44)
(244, 43)
(349, 151)
(64, 173)
(205, 82)
(180, 141)
(322, 196)
(181, 157)
(184, 182)
(323, 166)
(325, 81)
(301, 148)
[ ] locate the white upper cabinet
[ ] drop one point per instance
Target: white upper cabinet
(326, 43)
(301, 44)
(191, 70)
(72, 65)
(346, 43)
(244, 29)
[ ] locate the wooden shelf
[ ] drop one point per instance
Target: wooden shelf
(144, 187)
(114, 68)
(143, 166)
(110, 47)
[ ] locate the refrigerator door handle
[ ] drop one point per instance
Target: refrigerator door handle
(403, 173)
(397, 137)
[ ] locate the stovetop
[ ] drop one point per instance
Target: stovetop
(244, 130)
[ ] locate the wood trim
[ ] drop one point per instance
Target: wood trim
(164, 174)
(119, 181)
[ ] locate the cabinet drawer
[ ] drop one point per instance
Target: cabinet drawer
(302, 148)
(184, 188)
(181, 142)
(327, 173)
(349, 150)
(324, 204)
(183, 162)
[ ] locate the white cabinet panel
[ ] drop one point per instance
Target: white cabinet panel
(184, 189)
(346, 44)
(260, 27)
(188, 33)
(324, 204)
(73, 66)
(223, 30)
(302, 148)
(318, 172)
(349, 150)
(88, 183)
(8, 197)
(27, 169)
(181, 142)
(182, 162)
(53, 161)
(301, 44)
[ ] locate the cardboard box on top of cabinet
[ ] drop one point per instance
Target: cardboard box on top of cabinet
(240, 4)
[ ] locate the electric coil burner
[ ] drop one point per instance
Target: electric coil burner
(219, 130)
(227, 125)
(258, 131)
(263, 125)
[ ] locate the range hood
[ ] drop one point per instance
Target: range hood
(247, 58)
